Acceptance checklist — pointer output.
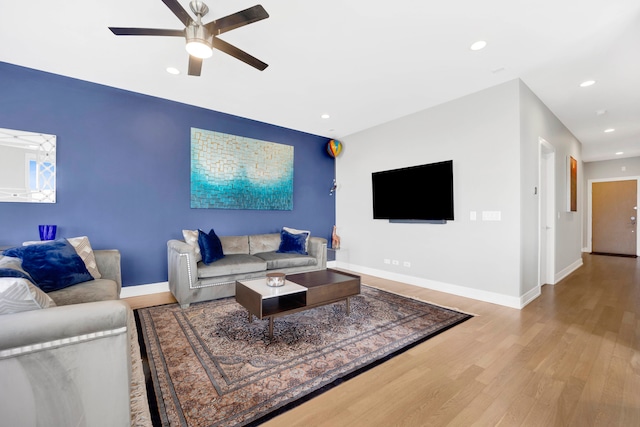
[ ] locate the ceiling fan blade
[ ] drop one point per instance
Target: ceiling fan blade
(179, 11)
(238, 19)
(119, 31)
(195, 65)
(238, 54)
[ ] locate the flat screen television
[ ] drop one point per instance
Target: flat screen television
(417, 193)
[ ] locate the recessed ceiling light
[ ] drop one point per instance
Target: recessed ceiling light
(480, 44)
(587, 83)
(609, 130)
(173, 70)
(325, 116)
(619, 153)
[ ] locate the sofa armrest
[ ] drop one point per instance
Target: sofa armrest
(108, 261)
(183, 270)
(67, 365)
(318, 249)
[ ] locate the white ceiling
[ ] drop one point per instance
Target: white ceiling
(363, 62)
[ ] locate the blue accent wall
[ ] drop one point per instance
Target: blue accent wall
(123, 170)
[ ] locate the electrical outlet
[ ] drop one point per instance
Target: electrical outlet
(387, 261)
(395, 262)
(491, 216)
(406, 264)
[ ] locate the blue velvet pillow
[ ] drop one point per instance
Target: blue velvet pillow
(210, 246)
(52, 265)
(12, 272)
(12, 267)
(292, 243)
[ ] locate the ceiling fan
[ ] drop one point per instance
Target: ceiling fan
(202, 38)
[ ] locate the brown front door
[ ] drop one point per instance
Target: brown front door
(614, 217)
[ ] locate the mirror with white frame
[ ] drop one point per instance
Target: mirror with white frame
(27, 167)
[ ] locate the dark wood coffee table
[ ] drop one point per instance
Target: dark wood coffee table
(301, 291)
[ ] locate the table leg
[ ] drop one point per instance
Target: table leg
(348, 306)
(271, 327)
(250, 317)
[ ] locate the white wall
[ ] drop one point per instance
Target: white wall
(492, 138)
(612, 168)
(538, 121)
(480, 133)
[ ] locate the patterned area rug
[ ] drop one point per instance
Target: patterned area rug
(211, 367)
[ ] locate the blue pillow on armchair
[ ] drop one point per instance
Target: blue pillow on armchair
(210, 246)
(52, 265)
(291, 243)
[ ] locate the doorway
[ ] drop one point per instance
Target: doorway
(546, 213)
(614, 208)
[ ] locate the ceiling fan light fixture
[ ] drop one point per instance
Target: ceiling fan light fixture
(199, 49)
(199, 42)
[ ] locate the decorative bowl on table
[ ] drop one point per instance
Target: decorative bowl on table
(275, 279)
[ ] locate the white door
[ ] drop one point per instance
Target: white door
(547, 218)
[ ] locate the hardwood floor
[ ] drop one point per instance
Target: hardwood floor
(570, 358)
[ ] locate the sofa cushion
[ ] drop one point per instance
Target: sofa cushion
(12, 267)
(52, 265)
(292, 243)
(83, 249)
(19, 294)
(259, 243)
(277, 260)
(95, 290)
(210, 246)
(235, 244)
(231, 264)
(296, 231)
(191, 238)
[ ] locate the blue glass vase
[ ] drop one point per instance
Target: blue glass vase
(47, 232)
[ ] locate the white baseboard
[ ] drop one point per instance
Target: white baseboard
(139, 290)
(568, 270)
(530, 296)
(477, 294)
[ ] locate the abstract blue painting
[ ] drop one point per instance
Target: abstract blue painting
(234, 172)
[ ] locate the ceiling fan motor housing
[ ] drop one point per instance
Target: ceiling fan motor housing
(198, 8)
(198, 33)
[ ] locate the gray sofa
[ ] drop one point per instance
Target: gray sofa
(77, 363)
(246, 257)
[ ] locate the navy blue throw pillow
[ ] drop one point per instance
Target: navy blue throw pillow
(210, 246)
(52, 265)
(292, 243)
(12, 272)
